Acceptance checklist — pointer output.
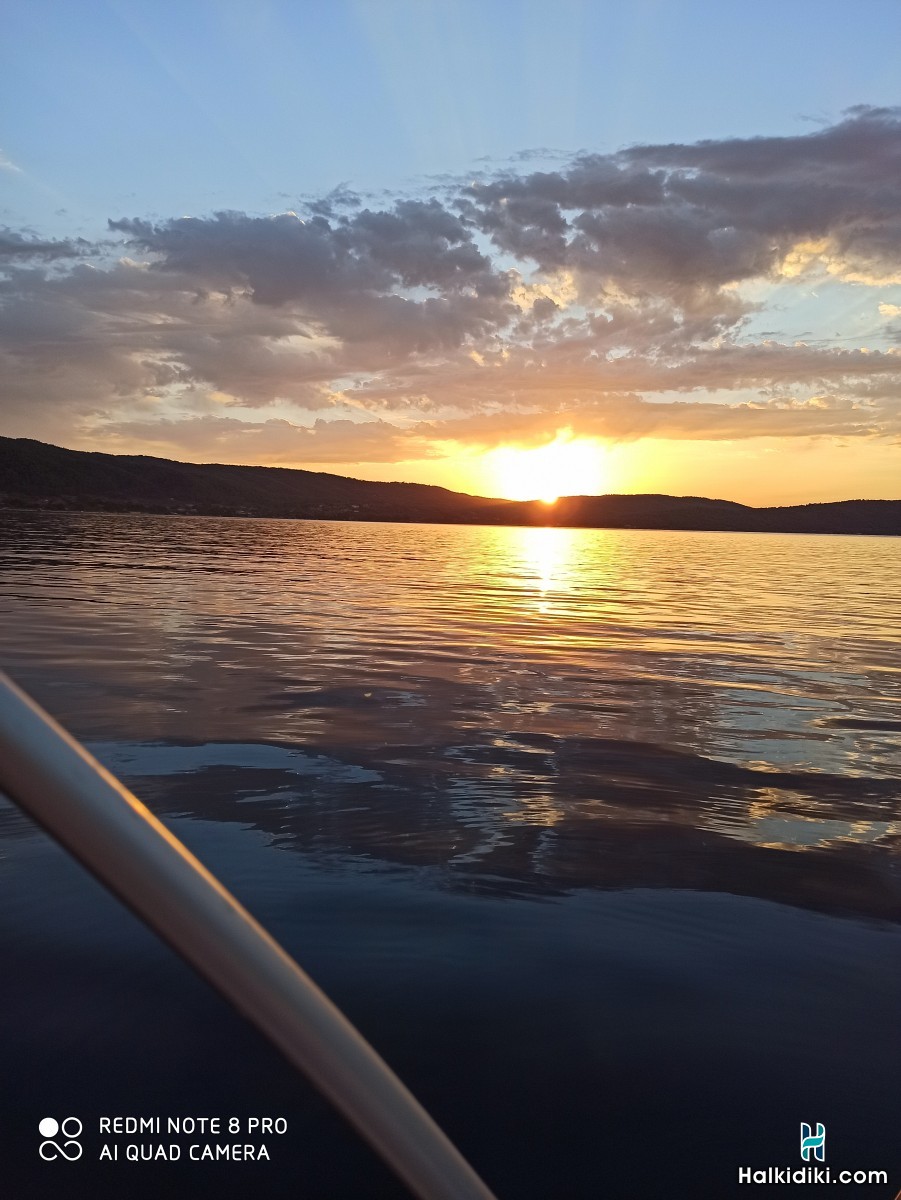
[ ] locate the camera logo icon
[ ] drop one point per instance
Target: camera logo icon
(68, 1130)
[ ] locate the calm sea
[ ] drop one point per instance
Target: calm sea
(594, 834)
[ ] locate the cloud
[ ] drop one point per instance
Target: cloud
(273, 442)
(606, 294)
(355, 278)
(657, 219)
(622, 419)
(14, 245)
(616, 418)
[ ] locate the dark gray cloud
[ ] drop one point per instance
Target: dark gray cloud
(333, 202)
(585, 290)
(863, 146)
(18, 246)
(356, 277)
(657, 219)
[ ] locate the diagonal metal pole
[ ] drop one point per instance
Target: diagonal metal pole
(109, 831)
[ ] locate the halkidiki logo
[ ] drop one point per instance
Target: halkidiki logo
(813, 1141)
(69, 1130)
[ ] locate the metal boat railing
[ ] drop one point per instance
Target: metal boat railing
(109, 831)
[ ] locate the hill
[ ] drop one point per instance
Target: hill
(36, 475)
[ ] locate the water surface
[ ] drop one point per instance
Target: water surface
(594, 833)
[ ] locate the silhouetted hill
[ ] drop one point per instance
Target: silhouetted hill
(696, 512)
(36, 475)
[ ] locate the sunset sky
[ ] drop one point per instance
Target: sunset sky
(513, 248)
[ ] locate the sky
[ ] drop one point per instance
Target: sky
(511, 248)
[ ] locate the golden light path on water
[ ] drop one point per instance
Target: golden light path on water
(548, 558)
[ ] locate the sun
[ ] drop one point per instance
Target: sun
(566, 466)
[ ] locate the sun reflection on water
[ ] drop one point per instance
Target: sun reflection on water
(548, 560)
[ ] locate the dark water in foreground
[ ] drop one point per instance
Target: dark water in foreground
(594, 834)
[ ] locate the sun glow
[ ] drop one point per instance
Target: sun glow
(566, 466)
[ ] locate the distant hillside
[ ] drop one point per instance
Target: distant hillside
(696, 512)
(36, 475)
